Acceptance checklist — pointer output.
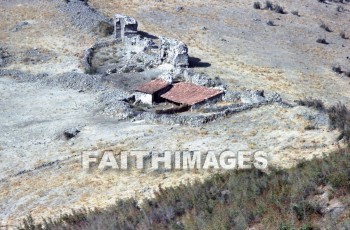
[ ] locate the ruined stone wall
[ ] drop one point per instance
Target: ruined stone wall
(145, 98)
(174, 52)
(124, 26)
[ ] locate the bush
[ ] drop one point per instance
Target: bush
(104, 29)
(233, 200)
(312, 103)
(325, 27)
(339, 117)
(279, 9)
(322, 41)
(257, 5)
(91, 71)
(337, 69)
(269, 5)
(340, 9)
(309, 127)
(296, 13)
(270, 23)
(274, 7)
(343, 35)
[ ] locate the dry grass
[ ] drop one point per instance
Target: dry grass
(42, 35)
(235, 200)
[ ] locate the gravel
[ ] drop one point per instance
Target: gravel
(83, 16)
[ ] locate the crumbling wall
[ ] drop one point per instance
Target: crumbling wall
(124, 26)
(174, 52)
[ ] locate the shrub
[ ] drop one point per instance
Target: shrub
(340, 9)
(279, 9)
(337, 69)
(309, 127)
(296, 13)
(139, 69)
(270, 23)
(269, 5)
(339, 118)
(104, 29)
(322, 41)
(312, 103)
(343, 35)
(249, 196)
(91, 70)
(339, 180)
(257, 5)
(325, 27)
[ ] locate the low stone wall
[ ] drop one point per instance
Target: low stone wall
(178, 109)
(197, 119)
(89, 53)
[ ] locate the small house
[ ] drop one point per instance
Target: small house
(150, 92)
(184, 93)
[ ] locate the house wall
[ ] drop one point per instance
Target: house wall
(144, 98)
(212, 100)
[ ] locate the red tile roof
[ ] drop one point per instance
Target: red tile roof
(152, 86)
(190, 94)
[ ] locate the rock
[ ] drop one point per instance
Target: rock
(179, 8)
(70, 133)
(167, 77)
(19, 26)
(110, 71)
(335, 208)
(251, 96)
(84, 17)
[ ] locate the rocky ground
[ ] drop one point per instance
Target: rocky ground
(40, 169)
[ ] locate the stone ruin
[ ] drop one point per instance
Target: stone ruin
(171, 51)
(174, 52)
(124, 26)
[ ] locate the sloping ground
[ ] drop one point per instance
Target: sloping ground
(313, 195)
(241, 48)
(42, 172)
(30, 29)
